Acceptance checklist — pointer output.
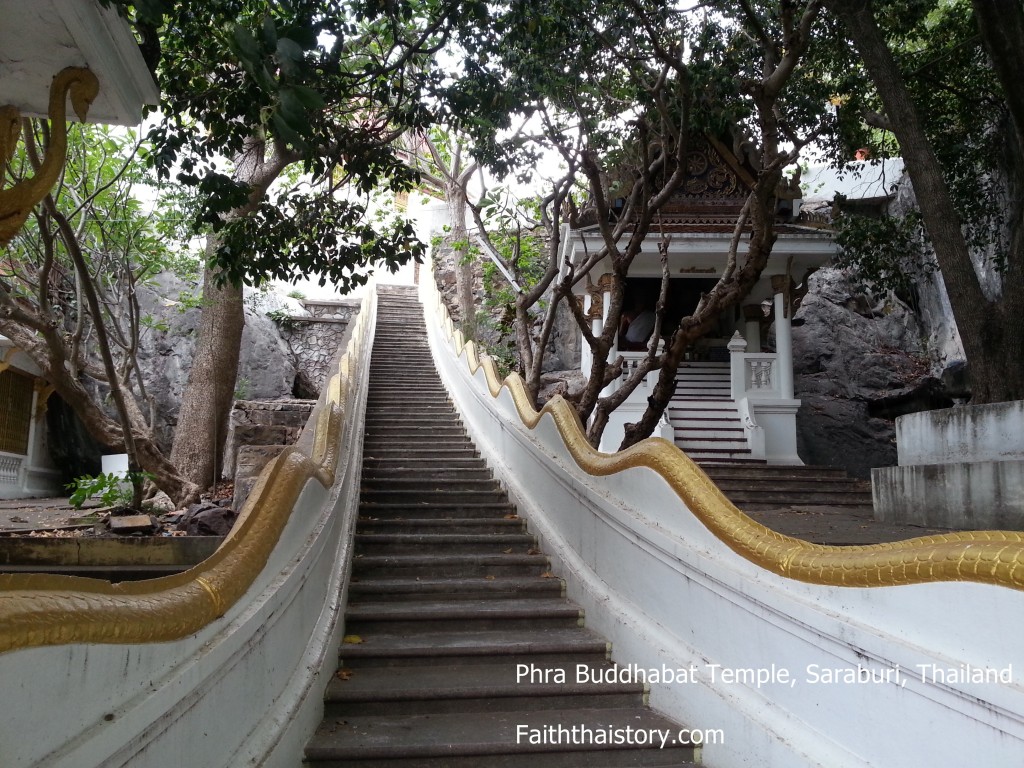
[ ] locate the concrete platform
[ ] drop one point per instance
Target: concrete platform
(836, 526)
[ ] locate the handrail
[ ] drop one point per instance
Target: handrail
(38, 610)
(987, 557)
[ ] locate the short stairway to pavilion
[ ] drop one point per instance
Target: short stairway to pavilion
(707, 426)
(704, 417)
(450, 599)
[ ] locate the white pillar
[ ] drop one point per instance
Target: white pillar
(737, 374)
(598, 327)
(783, 340)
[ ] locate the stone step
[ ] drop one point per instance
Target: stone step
(496, 739)
(724, 461)
(775, 472)
(428, 477)
(369, 620)
(703, 385)
(450, 426)
(709, 433)
(402, 466)
(404, 407)
(796, 498)
(403, 543)
(443, 455)
(705, 365)
(425, 526)
(706, 444)
(409, 404)
(396, 406)
(451, 484)
(702, 405)
(417, 442)
(396, 433)
(699, 419)
(433, 510)
(455, 498)
(448, 595)
(479, 688)
(455, 565)
(502, 587)
(406, 376)
(848, 485)
(715, 454)
(417, 391)
(517, 646)
(388, 420)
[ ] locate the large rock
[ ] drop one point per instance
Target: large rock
(207, 518)
(266, 367)
(858, 361)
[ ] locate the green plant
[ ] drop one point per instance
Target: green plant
(284, 320)
(112, 489)
(243, 388)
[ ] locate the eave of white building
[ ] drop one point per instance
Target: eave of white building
(704, 254)
(38, 39)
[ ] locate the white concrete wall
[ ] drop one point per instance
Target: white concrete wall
(975, 495)
(960, 468)
(665, 590)
(992, 432)
(246, 690)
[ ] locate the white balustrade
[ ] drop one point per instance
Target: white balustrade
(10, 469)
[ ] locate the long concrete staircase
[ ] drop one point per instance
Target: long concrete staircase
(460, 648)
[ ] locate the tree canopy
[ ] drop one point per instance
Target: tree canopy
(940, 78)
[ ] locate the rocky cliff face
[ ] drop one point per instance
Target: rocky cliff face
(266, 367)
(858, 362)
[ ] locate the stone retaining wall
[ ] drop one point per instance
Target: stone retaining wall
(314, 340)
(257, 432)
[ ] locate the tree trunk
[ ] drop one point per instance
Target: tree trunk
(209, 394)
(991, 332)
(455, 194)
(208, 397)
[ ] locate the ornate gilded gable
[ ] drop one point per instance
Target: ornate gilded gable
(713, 174)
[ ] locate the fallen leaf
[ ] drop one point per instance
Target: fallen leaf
(547, 575)
(352, 639)
(512, 517)
(344, 674)
(488, 578)
(508, 551)
(533, 552)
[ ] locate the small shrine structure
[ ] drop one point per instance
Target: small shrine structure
(734, 398)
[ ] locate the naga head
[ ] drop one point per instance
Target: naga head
(80, 84)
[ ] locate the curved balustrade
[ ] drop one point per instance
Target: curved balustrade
(218, 665)
(891, 654)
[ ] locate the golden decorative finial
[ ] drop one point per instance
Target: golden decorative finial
(17, 202)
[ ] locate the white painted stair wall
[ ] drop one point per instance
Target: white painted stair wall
(667, 591)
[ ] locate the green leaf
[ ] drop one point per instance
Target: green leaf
(309, 97)
(269, 32)
(289, 50)
(245, 45)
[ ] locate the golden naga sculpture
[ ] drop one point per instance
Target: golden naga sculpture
(17, 202)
